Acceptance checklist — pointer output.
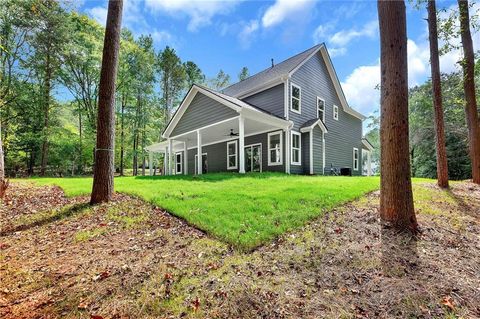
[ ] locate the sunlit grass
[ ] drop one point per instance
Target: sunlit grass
(243, 210)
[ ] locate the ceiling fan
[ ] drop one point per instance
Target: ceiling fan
(232, 134)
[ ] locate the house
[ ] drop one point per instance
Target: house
(292, 117)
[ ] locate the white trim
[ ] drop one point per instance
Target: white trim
(287, 151)
(181, 163)
(299, 111)
(311, 152)
(309, 128)
(324, 107)
(323, 153)
(261, 153)
(170, 150)
(285, 99)
(196, 161)
(335, 112)
(299, 148)
(367, 145)
(235, 142)
(270, 163)
(150, 163)
(185, 159)
(199, 151)
(355, 161)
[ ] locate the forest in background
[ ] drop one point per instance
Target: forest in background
(50, 58)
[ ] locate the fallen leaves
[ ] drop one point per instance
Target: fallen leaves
(101, 276)
(448, 302)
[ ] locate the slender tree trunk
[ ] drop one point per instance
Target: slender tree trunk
(122, 136)
(143, 145)
(48, 78)
(471, 111)
(3, 181)
(442, 165)
(80, 155)
(396, 199)
(102, 190)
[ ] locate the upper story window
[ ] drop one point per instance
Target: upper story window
(355, 159)
(296, 99)
(335, 112)
(275, 142)
(321, 109)
(232, 155)
(296, 148)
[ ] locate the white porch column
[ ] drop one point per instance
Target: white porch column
(369, 164)
(170, 149)
(199, 153)
(165, 155)
(185, 158)
(311, 151)
(241, 144)
(287, 151)
(150, 163)
(323, 153)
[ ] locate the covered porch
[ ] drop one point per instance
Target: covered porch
(180, 152)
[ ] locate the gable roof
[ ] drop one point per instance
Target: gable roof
(231, 102)
(284, 70)
(309, 125)
(271, 74)
(367, 144)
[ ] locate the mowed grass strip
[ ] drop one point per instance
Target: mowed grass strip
(243, 210)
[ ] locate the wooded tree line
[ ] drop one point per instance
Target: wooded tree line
(50, 61)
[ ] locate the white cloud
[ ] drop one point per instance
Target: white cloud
(360, 88)
(344, 37)
(200, 12)
(245, 36)
(285, 9)
(161, 37)
(99, 14)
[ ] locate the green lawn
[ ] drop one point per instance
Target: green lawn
(245, 211)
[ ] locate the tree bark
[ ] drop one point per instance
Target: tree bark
(48, 78)
(3, 181)
(442, 165)
(103, 187)
(396, 199)
(122, 136)
(471, 112)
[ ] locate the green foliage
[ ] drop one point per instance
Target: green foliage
(273, 203)
(243, 74)
(422, 133)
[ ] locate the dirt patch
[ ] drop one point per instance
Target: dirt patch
(127, 259)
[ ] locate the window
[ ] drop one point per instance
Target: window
(335, 112)
(275, 148)
(355, 159)
(321, 109)
(232, 154)
(296, 99)
(178, 163)
(296, 148)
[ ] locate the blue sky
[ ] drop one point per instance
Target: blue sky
(231, 34)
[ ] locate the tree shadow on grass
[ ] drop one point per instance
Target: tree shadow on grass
(465, 207)
(47, 219)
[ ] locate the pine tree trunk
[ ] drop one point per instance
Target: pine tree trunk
(442, 165)
(81, 139)
(3, 181)
(122, 136)
(471, 111)
(396, 199)
(102, 190)
(48, 78)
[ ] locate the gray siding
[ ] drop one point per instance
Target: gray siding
(343, 135)
(217, 155)
(202, 111)
(271, 100)
(306, 153)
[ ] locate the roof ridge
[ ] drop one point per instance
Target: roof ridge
(269, 68)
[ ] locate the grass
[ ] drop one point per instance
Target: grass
(243, 210)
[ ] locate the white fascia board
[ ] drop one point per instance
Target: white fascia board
(257, 115)
(309, 128)
(260, 88)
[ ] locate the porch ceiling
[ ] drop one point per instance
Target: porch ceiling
(214, 134)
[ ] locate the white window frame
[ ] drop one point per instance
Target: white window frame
(335, 112)
(280, 148)
(299, 111)
(318, 108)
(357, 160)
(231, 155)
(299, 148)
(176, 163)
